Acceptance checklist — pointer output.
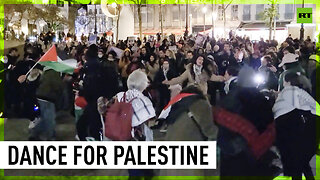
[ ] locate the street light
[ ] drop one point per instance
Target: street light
(204, 10)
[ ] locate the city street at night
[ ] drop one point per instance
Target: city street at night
(227, 88)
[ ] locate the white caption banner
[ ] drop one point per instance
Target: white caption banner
(108, 155)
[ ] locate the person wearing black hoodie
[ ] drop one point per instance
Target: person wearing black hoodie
(96, 83)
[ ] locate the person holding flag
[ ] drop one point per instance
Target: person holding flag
(48, 93)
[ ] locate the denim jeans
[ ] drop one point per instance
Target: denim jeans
(45, 128)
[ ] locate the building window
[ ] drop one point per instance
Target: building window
(220, 13)
(194, 13)
(175, 13)
(259, 11)
(90, 12)
(183, 13)
(150, 16)
(246, 13)
(288, 11)
(234, 12)
(143, 14)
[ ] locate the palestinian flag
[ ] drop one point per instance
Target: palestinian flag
(51, 60)
(166, 111)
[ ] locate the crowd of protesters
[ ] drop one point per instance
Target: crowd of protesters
(262, 95)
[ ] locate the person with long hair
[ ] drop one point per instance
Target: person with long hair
(198, 73)
(124, 62)
(152, 66)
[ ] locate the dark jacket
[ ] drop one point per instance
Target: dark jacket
(297, 140)
(51, 86)
(224, 60)
(255, 63)
(184, 128)
(239, 157)
(271, 78)
(93, 81)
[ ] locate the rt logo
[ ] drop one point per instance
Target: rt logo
(304, 15)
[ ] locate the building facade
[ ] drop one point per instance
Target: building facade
(92, 19)
(244, 19)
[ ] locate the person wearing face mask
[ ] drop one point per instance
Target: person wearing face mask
(24, 93)
(12, 57)
(197, 73)
(101, 56)
(111, 61)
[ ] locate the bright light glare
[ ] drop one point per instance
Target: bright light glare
(204, 9)
(258, 79)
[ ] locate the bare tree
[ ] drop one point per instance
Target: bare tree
(270, 14)
(224, 8)
(52, 15)
(161, 20)
(138, 4)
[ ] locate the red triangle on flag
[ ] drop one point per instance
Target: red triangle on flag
(50, 55)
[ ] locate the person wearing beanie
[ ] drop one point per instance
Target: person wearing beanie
(290, 64)
(245, 122)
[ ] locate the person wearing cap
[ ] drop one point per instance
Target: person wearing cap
(289, 64)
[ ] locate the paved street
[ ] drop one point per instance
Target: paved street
(17, 130)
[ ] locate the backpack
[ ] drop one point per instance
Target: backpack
(118, 120)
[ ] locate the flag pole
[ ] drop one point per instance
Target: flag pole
(37, 62)
(32, 68)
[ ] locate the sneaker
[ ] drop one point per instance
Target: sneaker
(77, 138)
